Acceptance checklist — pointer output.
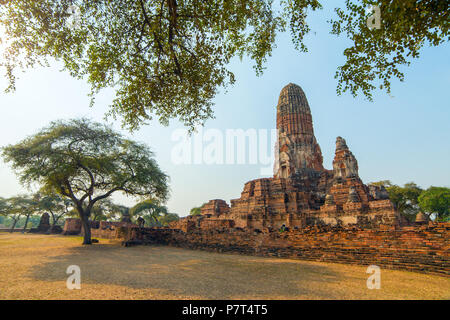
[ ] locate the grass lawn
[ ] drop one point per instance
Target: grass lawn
(34, 267)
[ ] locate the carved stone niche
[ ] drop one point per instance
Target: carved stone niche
(285, 165)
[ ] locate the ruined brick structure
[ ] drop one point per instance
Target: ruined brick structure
(101, 229)
(44, 224)
(216, 207)
(302, 192)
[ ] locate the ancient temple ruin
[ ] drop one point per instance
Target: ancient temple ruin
(302, 192)
(328, 215)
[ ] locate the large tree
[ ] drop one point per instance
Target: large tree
(86, 162)
(169, 58)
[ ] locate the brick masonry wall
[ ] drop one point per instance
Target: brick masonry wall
(72, 226)
(423, 248)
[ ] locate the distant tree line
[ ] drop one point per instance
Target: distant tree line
(24, 211)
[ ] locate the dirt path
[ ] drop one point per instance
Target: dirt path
(34, 267)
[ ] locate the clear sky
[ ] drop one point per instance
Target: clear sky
(402, 138)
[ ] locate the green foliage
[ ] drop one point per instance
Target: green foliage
(106, 210)
(166, 58)
(436, 200)
(154, 214)
(170, 58)
(86, 162)
(32, 222)
(195, 211)
(383, 183)
(3, 206)
(54, 204)
(167, 218)
(377, 55)
(121, 210)
(18, 210)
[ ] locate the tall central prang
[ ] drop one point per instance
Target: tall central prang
(297, 147)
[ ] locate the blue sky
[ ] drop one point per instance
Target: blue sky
(401, 138)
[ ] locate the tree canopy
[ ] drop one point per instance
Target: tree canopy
(377, 54)
(196, 211)
(56, 205)
(86, 162)
(106, 209)
(3, 205)
(154, 214)
(18, 206)
(169, 58)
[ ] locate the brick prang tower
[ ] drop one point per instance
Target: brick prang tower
(297, 148)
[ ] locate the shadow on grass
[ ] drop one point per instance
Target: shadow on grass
(190, 272)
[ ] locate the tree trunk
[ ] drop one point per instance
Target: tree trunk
(86, 229)
(53, 219)
(14, 225)
(26, 222)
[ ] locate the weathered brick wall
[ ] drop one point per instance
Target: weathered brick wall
(215, 207)
(421, 248)
(216, 223)
(72, 226)
(111, 230)
(100, 229)
(206, 221)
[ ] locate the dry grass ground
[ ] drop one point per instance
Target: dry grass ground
(34, 267)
